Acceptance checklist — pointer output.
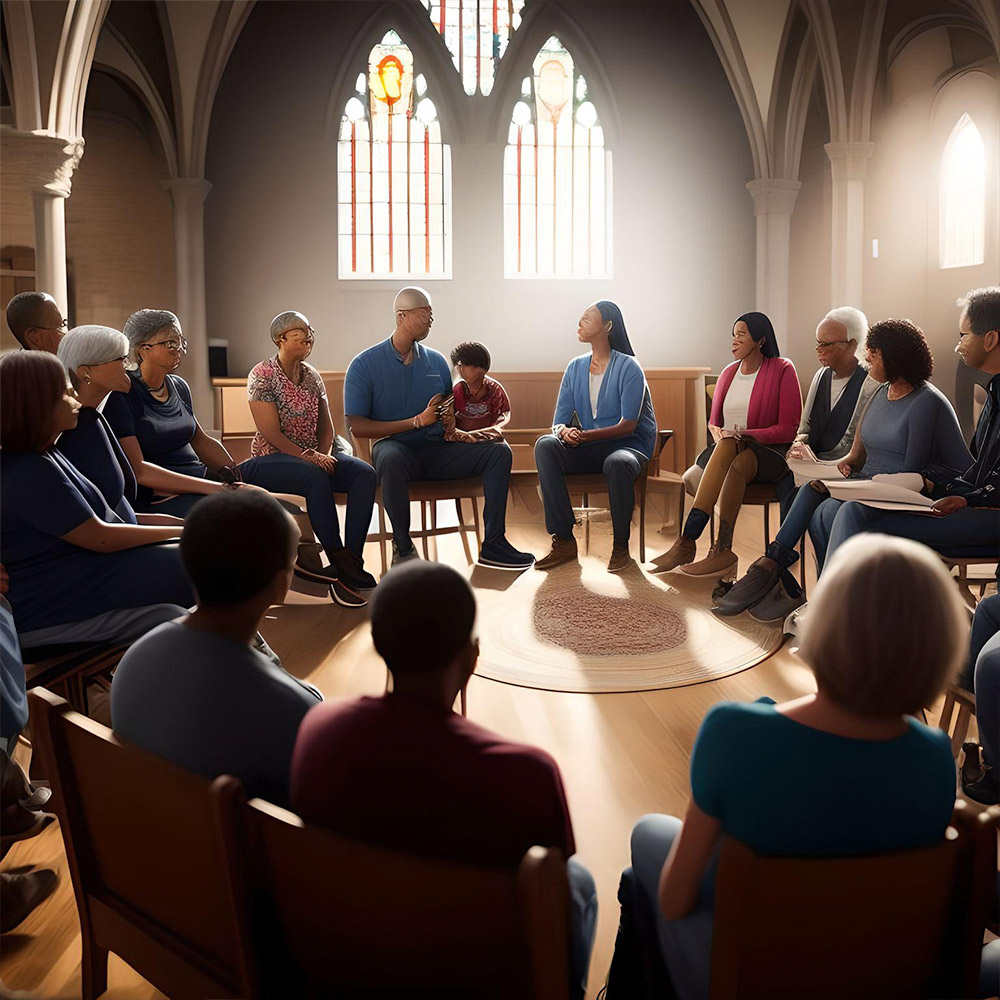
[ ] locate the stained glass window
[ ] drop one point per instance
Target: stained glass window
(477, 33)
(557, 176)
(963, 197)
(394, 173)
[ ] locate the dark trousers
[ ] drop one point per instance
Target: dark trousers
(621, 467)
(289, 474)
(398, 464)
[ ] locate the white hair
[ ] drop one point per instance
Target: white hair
(854, 321)
(91, 345)
(291, 319)
(141, 325)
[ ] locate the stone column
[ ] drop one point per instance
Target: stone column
(849, 162)
(188, 195)
(773, 203)
(42, 166)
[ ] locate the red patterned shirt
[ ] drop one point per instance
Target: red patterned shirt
(474, 414)
(297, 405)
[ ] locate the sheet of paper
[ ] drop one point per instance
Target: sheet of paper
(805, 471)
(867, 490)
(907, 480)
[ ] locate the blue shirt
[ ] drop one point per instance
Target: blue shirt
(94, 451)
(164, 430)
(380, 387)
(43, 498)
(624, 395)
(784, 788)
(211, 705)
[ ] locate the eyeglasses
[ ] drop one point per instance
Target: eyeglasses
(112, 361)
(308, 331)
(170, 345)
(821, 347)
(64, 326)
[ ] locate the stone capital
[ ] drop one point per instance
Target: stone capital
(773, 196)
(849, 160)
(41, 162)
(187, 190)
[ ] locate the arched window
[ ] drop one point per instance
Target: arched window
(394, 174)
(963, 196)
(476, 33)
(557, 176)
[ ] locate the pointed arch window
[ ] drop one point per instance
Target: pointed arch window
(963, 197)
(394, 174)
(476, 33)
(557, 176)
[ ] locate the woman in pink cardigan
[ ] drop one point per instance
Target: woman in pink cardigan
(755, 414)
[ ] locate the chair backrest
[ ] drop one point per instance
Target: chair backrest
(903, 924)
(144, 850)
(332, 916)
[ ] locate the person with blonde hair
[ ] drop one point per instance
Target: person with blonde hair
(885, 633)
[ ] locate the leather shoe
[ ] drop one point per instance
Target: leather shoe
(752, 587)
(563, 551)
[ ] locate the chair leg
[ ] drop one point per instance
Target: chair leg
(475, 521)
(423, 527)
(642, 522)
(961, 730)
(767, 525)
(947, 710)
(586, 526)
(434, 525)
(382, 540)
(680, 509)
(802, 564)
(461, 700)
(463, 527)
(93, 970)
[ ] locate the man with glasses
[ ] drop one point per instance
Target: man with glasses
(35, 320)
(839, 391)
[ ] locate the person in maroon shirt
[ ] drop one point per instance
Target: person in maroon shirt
(405, 772)
(480, 407)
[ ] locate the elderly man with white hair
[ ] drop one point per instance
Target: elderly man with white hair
(393, 392)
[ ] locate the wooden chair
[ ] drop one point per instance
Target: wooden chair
(906, 924)
(965, 701)
(964, 581)
(143, 850)
(427, 493)
(332, 917)
(66, 669)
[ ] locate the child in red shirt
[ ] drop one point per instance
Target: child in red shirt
(480, 407)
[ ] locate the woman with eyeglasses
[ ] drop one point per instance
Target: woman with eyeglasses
(176, 462)
(81, 569)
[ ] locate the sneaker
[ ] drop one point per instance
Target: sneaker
(352, 571)
(346, 597)
(398, 558)
(680, 553)
(719, 562)
(755, 584)
(986, 790)
(500, 554)
(563, 551)
(309, 566)
(620, 559)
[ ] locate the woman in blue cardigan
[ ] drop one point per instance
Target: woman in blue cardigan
(603, 422)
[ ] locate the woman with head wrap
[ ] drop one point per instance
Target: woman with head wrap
(176, 462)
(755, 414)
(603, 422)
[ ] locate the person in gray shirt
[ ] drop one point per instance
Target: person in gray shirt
(195, 691)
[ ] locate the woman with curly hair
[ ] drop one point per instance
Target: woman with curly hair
(908, 426)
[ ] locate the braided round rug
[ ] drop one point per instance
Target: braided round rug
(580, 628)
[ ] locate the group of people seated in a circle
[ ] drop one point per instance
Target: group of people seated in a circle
(119, 513)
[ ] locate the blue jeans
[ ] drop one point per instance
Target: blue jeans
(288, 474)
(398, 464)
(583, 924)
(621, 468)
(810, 511)
(653, 954)
(985, 654)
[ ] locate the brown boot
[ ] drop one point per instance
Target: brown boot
(620, 559)
(721, 561)
(681, 552)
(563, 551)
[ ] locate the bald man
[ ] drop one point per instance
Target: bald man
(35, 320)
(392, 393)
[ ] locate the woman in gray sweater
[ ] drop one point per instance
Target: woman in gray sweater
(909, 426)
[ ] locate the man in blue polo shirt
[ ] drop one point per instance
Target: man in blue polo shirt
(392, 392)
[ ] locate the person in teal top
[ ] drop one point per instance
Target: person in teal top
(604, 422)
(845, 771)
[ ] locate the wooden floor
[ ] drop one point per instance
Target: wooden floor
(621, 755)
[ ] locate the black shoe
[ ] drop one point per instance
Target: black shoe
(318, 574)
(756, 583)
(986, 790)
(398, 558)
(22, 892)
(782, 599)
(344, 596)
(500, 554)
(351, 570)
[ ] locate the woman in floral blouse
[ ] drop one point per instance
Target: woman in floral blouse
(295, 432)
